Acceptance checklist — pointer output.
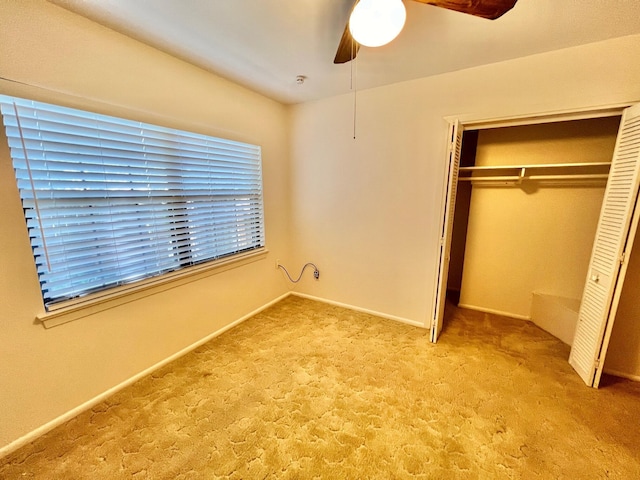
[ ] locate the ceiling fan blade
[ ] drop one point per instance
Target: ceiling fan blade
(490, 9)
(348, 47)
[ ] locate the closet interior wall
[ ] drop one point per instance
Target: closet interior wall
(623, 357)
(512, 239)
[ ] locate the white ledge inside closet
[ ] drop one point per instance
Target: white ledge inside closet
(552, 172)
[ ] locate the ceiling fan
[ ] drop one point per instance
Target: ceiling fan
(372, 10)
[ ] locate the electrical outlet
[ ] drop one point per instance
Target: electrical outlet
(277, 264)
(316, 274)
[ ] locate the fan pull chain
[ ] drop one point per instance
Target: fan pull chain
(351, 64)
(354, 84)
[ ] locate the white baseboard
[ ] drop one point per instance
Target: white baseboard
(617, 373)
(358, 309)
(34, 434)
(495, 312)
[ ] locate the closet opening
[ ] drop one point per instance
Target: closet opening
(528, 205)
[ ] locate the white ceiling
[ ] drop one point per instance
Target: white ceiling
(265, 44)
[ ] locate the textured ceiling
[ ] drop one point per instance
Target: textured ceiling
(265, 44)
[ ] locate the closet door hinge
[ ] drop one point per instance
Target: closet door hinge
(596, 364)
(623, 257)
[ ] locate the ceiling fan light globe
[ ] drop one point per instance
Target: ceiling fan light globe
(374, 23)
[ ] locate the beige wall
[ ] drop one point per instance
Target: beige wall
(367, 210)
(533, 238)
(578, 141)
(623, 356)
(45, 373)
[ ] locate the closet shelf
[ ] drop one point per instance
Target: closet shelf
(587, 171)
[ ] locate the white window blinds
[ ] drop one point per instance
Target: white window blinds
(110, 201)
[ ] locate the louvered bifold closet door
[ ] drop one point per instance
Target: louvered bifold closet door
(611, 249)
(454, 151)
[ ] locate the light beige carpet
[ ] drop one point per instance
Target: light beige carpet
(305, 390)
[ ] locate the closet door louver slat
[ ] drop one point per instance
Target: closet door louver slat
(614, 237)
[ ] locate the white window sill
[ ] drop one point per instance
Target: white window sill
(98, 302)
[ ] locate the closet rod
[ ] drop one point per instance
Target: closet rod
(586, 176)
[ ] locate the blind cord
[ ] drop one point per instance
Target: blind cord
(316, 272)
(33, 187)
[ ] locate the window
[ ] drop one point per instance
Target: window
(110, 201)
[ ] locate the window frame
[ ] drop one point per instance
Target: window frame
(188, 265)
